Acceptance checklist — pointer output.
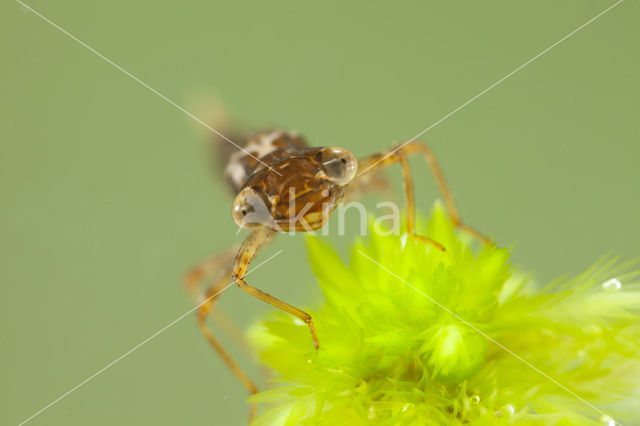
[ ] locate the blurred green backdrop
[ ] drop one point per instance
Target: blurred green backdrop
(108, 194)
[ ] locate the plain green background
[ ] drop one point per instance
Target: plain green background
(107, 194)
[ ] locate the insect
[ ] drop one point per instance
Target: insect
(282, 184)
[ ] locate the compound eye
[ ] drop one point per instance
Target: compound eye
(340, 165)
(249, 211)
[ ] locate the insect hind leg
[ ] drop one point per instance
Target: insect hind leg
(376, 162)
(221, 268)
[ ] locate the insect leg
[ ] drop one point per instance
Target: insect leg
(436, 170)
(250, 247)
(407, 182)
(221, 267)
(375, 163)
(213, 269)
(210, 268)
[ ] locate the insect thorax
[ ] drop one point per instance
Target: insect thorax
(269, 147)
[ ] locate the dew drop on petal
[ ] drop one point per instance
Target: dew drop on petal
(612, 285)
(475, 399)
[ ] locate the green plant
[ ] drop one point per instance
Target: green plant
(415, 343)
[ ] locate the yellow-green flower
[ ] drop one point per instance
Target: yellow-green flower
(413, 336)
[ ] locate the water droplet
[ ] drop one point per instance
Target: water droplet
(506, 410)
(299, 322)
(403, 240)
(475, 399)
(612, 285)
(372, 413)
(608, 421)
